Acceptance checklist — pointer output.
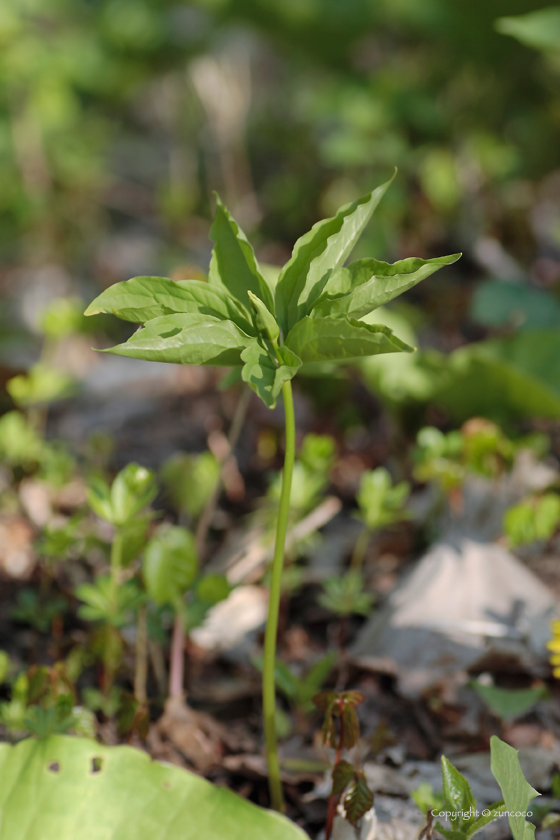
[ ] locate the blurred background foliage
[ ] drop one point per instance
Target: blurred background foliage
(119, 117)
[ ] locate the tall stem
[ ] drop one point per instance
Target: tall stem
(269, 690)
(177, 656)
(141, 671)
(116, 563)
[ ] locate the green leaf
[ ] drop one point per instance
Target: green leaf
(266, 323)
(509, 704)
(170, 564)
(191, 479)
(540, 29)
(186, 340)
(317, 254)
(213, 588)
(518, 376)
(316, 340)
(343, 773)
(266, 376)
(494, 811)
(517, 792)
(365, 285)
(358, 800)
(234, 266)
(62, 788)
(317, 674)
(98, 605)
(458, 795)
(133, 489)
(144, 298)
(534, 518)
(449, 834)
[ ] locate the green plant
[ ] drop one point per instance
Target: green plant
(239, 318)
(459, 804)
(345, 776)
(301, 690)
(534, 518)
(112, 600)
(509, 703)
(119, 793)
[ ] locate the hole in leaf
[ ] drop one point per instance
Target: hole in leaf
(53, 767)
(96, 764)
(166, 785)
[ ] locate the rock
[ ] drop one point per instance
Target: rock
(464, 603)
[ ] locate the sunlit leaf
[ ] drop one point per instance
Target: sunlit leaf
(315, 340)
(319, 252)
(363, 286)
(186, 340)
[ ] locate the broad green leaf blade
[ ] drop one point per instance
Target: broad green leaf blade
(186, 340)
(458, 795)
(266, 377)
(540, 29)
(516, 790)
(320, 251)
(145, 298)
(234, 265)
(65, 788)
(493, 811)
(320, 339)
(366, 284)
(509, 703)
(170, 565)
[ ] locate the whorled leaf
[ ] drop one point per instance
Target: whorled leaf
(144, 298)
(186, 340)
(318, 253)
(364, 285)
(234, 266)
(264, 375)
(62, 788)
(321, 339)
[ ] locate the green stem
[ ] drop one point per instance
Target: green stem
(269, 690)
(360, 550)
(116, 563)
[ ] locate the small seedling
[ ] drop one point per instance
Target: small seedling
(459, 804)
(300, 691)
(348, 782)
(268, 330)
(535, 518)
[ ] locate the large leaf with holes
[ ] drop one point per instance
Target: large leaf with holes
(65, 788)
